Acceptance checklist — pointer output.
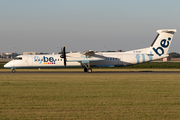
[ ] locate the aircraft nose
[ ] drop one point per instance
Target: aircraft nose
(7, 65)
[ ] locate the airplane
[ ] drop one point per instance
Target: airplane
(158, 49)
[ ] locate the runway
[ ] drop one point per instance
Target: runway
(93, 73)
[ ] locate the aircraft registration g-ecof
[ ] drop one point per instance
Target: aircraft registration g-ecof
(158, 49)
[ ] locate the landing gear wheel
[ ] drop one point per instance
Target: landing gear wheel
(13, 71)
(85, 69)
(89, 70)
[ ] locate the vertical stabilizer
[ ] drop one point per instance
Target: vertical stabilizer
(161, 44)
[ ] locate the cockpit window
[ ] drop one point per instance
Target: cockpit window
(18, 58)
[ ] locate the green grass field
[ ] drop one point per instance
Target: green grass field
(90, 96)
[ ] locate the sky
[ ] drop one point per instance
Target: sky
(80, 25)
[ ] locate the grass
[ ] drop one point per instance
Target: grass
(90, 96)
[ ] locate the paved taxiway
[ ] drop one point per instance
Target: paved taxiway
(62, 73)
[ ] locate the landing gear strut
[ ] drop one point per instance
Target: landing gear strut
(87, 68)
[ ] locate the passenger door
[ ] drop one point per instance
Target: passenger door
(30, 61)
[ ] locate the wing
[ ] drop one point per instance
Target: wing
(86, 57)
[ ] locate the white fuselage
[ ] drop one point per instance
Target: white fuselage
(111, 59)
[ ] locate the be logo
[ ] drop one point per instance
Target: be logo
(49, 60)
(164, 44)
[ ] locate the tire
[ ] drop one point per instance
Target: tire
(89, 70)
(13, 71)
(85, 69)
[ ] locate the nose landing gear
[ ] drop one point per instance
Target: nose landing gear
(13, 70)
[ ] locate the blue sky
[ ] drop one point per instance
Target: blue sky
(80, 25)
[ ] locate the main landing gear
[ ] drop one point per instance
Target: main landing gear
(87, 68)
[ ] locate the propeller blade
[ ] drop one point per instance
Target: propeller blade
(61, 50)
(64, 55)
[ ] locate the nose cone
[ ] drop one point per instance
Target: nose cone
(7, 65)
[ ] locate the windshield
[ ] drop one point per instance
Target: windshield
(18, 58)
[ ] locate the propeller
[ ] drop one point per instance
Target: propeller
(61, 50)
(64, 55)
